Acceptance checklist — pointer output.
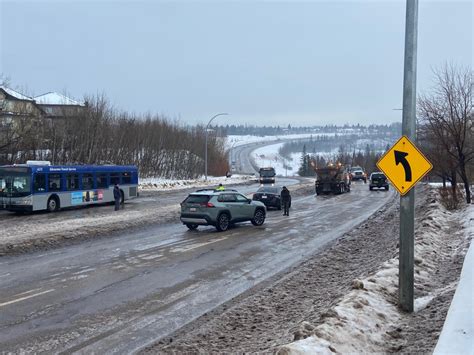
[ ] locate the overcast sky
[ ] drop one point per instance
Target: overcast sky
(303, 63)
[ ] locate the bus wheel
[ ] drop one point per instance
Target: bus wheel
(53, 204)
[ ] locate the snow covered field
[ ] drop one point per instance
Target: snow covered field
(235, 141)
(268, 156)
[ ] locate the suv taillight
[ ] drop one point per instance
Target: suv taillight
(209, 204)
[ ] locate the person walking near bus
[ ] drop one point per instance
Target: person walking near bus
(117, 197)
(286, 200)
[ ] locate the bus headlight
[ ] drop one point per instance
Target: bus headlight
(25, 201)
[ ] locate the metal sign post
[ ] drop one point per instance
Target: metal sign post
(407, 201)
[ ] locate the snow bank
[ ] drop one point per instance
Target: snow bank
(457, 336)
(171, 184)
(364, 320)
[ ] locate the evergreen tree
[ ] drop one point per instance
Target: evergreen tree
(305, 168)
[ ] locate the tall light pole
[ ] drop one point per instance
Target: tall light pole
(407, 202)
(205, 152)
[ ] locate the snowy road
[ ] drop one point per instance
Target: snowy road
(242, 154)
(126, 291)
(39, 231)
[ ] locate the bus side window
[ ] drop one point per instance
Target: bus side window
(72, 182)
(54, 182)
(87, 182)
(126, 178)
(114, 178)
(39, 183)
(102, 181)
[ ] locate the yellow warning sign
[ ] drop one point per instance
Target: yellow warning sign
(404, 165)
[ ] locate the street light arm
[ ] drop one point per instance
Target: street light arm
(219, 114)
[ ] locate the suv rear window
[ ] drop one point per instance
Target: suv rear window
(197, 199)
(378, 176)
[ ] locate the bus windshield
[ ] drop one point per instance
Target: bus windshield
(14, 184)
(267, 172)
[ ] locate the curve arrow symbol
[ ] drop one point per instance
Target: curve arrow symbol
(400, 158)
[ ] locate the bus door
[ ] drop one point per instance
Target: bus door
(3, 185)
(6, 183)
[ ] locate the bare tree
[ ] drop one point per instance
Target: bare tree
(98, 134)
(447, 116)
(4, 80)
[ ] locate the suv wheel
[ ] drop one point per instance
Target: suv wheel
(191, 226)
(223, 222)
(258, 218)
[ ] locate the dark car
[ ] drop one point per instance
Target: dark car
(378, 180)
(269, 195)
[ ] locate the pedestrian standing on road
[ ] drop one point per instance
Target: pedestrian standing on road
(117, 197)
(286, 200)
(220, 188)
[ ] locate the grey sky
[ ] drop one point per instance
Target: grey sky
(267, 63)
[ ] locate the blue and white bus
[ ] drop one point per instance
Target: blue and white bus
(36, 186)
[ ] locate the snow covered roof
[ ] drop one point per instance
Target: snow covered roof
(54, 98)
(15, 94)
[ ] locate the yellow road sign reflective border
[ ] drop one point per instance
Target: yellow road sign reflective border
(404, 165)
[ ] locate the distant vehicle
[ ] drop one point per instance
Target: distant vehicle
(357, 173)
(269, 195)
(220, 209)
(332, 179)
(267, 175)
(378, 180)
(37, 186)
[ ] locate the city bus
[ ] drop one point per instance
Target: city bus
(37, 186)
(267, 175)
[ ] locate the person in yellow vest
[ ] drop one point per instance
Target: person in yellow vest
(220, 188)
